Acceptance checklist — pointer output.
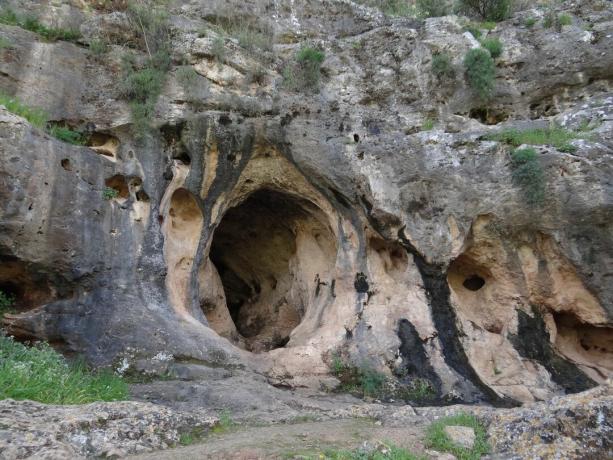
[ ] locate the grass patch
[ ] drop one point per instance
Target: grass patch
(363, 380)
(68, 135)
(418, 390)
(225, 423)
(565, 20)
(438, 440)
(41, 374)
(427, 125)
(98, 47)
(9, 17)
(35, 116)
(251, 34)
(480, 72)
(553, 135)
(191, 437)
(530, 22)
(493, 45)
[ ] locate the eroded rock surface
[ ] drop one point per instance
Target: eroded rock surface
(99, 430)
(268, 230)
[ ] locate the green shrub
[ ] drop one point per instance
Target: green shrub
(565, 20)
(109, 193)
(553, 135)
(528, 175)
(98, 47)
(41, 374)
(488, 25)
(150, 20)
(474, 30)
(480, 72)
(437, 439)
(442, 67)
(67, 135)
(35, 116)
(530, 22)
(6, 303)
(433, 8)
(219, 50)
(493, 45)
(9, 17)
(305, 72)
(488, 10)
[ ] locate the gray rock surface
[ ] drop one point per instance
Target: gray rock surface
(371, 225)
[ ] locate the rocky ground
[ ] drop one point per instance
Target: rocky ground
(254, 420)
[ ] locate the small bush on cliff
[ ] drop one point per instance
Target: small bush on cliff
(9, 17)
(493, 45)
(442, 66)
(363, 380)
(437, 439)
(305, 72)
(39, 373)
(528, 175)
(142, 83)
(480, 72)
(433, 8)
(488, 10)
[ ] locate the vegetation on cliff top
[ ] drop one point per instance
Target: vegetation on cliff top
(9, 17)
(39, 373)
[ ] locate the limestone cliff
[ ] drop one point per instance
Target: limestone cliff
(375, 218)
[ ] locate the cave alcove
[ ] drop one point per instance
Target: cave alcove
(270, 256)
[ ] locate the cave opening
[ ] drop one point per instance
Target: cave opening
(473, 283)
(270, 256)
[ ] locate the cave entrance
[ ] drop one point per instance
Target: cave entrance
(270, 255)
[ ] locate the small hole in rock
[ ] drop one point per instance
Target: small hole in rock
(473, 283)
(356, 137)
(66, 164)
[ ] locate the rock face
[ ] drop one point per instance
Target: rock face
(100, 430)
(260, 228)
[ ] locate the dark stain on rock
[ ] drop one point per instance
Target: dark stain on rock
(361, 283)
(532, 342)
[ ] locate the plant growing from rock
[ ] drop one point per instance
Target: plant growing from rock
(188, 79)
(442, 66)
(493, 45)
(480, 72)
(305, 72)
(433, 8)
(9, 17)
(109, 193)
(437, 438)
(35, 116)
(68, 135)
(488, 10)
(143, 82)
(390, 7)
(528, 175)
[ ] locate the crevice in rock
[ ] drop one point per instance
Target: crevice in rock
(104, 144)
(533, 342)
(270, 254)
(434, 277)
